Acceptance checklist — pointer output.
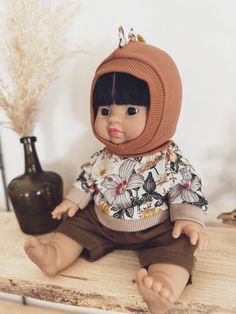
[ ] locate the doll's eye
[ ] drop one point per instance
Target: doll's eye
(132, 111)
(104, 111)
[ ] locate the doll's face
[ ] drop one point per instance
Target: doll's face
(120, 123)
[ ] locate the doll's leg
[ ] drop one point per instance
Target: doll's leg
(54, 256)
(161, 285)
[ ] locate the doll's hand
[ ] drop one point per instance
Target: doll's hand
(193, 230)
(65, 207)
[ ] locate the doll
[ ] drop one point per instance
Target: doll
(139, 192)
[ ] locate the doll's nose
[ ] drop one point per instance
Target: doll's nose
(115, 114)
(114, 118)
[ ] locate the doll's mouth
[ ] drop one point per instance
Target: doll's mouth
(115, 132)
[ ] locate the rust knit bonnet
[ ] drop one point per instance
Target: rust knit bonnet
(156, 67)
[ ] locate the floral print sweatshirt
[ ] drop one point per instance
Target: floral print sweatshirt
(132, 194)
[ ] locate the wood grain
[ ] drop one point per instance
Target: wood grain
(109, 283)
(16, 308)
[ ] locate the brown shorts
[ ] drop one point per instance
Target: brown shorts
(154, 245)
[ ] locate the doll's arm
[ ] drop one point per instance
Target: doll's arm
(75, 199)
(81, 193)
(66, 206)
(193, 230)
(185, 197)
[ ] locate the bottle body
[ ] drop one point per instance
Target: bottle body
(35, 193)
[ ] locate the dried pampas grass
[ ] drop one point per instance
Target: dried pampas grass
(32, 45)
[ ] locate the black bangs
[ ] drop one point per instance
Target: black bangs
(121, 89)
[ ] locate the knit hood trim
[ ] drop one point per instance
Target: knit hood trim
(150, 64)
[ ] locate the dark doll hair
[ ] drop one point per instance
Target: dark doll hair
(120, 88)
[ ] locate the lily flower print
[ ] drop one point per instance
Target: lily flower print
(188, 189)
(118, 186)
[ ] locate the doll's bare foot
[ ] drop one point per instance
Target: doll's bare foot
(43, 255)
(59, 253)
(158, 296)
(161, 285)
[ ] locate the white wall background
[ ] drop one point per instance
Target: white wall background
(199, 35)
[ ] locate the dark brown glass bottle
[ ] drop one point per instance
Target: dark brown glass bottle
(35, 193)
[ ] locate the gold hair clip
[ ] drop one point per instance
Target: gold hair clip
(140, 38)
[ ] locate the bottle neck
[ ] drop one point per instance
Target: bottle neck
(32, 164)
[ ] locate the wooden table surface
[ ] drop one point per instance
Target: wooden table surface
(110, 282)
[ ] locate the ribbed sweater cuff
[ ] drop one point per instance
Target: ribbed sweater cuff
(187, 212)
(131, 225)
(79, 197)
